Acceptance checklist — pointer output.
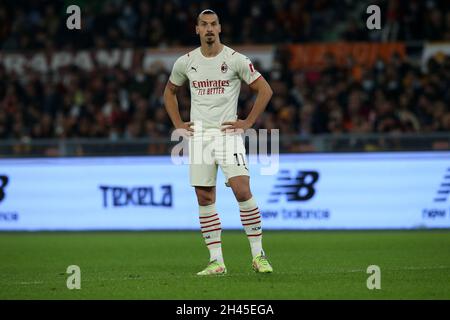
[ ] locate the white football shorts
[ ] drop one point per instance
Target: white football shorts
(209, 151)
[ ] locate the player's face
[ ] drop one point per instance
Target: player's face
(208, 28)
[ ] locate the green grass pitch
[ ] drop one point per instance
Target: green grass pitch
(162, 265)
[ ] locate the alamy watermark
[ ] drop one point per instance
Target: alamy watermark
(213, 146)
(74, 280)
(74, 20)
(374, 20)
(374, 280)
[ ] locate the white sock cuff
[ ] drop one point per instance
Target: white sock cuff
(207, 210)
(248, 204)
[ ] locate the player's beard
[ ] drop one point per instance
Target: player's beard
(210, 40)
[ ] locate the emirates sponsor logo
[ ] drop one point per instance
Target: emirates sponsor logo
(210, 83)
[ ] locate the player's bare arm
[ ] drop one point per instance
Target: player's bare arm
(264, 93)
(171, 105)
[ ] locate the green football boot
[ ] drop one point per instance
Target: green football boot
(261, 264)
(213, 268)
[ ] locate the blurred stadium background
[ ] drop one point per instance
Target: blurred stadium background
(390, 93)
(340, 90)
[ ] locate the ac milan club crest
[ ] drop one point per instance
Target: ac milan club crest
(224, 67)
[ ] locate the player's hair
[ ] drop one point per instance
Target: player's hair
(206, 11)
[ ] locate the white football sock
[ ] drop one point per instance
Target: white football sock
(211, 231)
(251, 221)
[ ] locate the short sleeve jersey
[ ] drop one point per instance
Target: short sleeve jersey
(215, 84)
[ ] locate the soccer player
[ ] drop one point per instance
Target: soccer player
(215, 72)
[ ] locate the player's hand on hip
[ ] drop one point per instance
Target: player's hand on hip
(238, 126)
(186, 128)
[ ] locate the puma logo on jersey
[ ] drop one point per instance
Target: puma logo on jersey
(195, 69)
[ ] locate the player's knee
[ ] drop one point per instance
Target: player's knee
(205, 201)
(205, 198)
(242, 194)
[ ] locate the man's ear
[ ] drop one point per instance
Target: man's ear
(196, 30)
(220, 28)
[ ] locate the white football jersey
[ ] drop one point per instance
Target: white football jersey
(215, 84)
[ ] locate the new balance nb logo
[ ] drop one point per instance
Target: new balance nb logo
(297, 188)
(444, 189)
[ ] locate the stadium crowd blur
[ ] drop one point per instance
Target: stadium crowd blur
(392, 96)
(39, 24)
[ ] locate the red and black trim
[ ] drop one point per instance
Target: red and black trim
(254, 235)
(212, 230)
(203, 222)
(215, 242)
(249, 219)
(255, 80)
(211, 225)
(251, 223)
(207, 217)
(249, 215)
(173, 84)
